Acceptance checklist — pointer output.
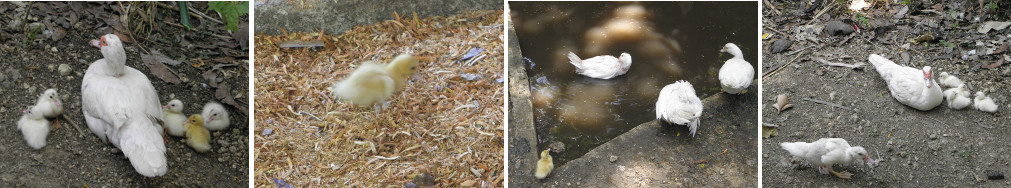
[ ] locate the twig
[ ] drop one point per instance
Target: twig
(828, 103)
(820, 13)
(784, 65)
(191, 13)
(767, 3)
(195, 11)
(852, 66)
(65, 118)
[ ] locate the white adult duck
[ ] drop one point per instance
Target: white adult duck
(678, 104)
(121, 107)
(736, 74)
(828, 151)
(601, 67)
(912, 87)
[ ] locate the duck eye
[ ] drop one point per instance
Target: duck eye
(412, 68)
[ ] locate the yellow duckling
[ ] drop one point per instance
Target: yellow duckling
(196, 135)
(545, 165)
(373, 83)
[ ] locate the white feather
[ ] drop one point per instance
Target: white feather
(909, 86)
(34, 127)
(678, 104)
(601, 67)
(174, 118)
(216, 116)
(736, 74)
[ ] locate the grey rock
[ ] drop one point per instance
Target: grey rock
(781, 45)
(838, 28)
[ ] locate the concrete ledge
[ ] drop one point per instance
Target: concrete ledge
(338, 16)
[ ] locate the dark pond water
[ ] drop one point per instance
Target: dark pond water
(668, 41)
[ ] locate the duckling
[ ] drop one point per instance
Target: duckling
(545, 165)
(948, 80)
(217, 117)
(958, 98)
(197, 136)
(50, 104)
(984, 103)
(34, 126)
(174, 118)
(374, 83)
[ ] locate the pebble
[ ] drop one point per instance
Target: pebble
(64, 69)
(613, 158)
(838, 28)
(781, 45)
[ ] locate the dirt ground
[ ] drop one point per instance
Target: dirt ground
(72, 159)
(939, 147)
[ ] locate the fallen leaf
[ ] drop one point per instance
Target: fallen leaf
(158, 69)
(468, 183)
(212, 78)
(162, 58)
(769, 130)
(125, 38)
(995, 65)
(224, 95)
(1001, 49)
(987, 26)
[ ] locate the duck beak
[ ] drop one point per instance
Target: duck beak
(57, 103)
(868, 160)
(164, 106)
(209, 119)
(96, 43)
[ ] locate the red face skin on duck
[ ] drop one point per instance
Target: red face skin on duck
(926, 76)
(99, 43)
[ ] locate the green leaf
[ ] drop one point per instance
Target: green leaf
(230, 12)
(184, 15)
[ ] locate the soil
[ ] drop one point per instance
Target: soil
(938, 147)
(72, 159)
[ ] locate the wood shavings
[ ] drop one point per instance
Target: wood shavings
(363, 148)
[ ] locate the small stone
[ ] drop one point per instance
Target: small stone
(64, 69)
(838, 28)
(613, 158)
(994, 175)
(781, 45)
(54, 49)
(933, 136)
(557, 147)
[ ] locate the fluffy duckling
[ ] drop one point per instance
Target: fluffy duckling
(373, 83)
(34, 126)
(49, 104)
(174, 118)
(735, 74)
(545, 165)
(958, 97)
(196, 135)
(217, 117)
(984, 103)
(948, 80)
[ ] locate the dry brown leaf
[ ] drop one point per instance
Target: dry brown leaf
(994, 65)
(158, 69)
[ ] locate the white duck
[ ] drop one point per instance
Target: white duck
(678, 104)
(828, 151)
(174, 118)
(49, 103)
(912, 87)
(984, 103)
(948, 80)
(121, 107)
(736, 74)
(34, 127)
(958, 97)
(217, 117)
(601, 67)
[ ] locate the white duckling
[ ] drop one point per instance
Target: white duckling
(958, 97)
(912, 87)
(121, 107)
(736, 74)
(828, 151)
(678, 104)
(601, 67)
(174, 118)
(34, 127)
(984, 103)
(948, 80)
(217, 116)
(373, 83)
(49, 103)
